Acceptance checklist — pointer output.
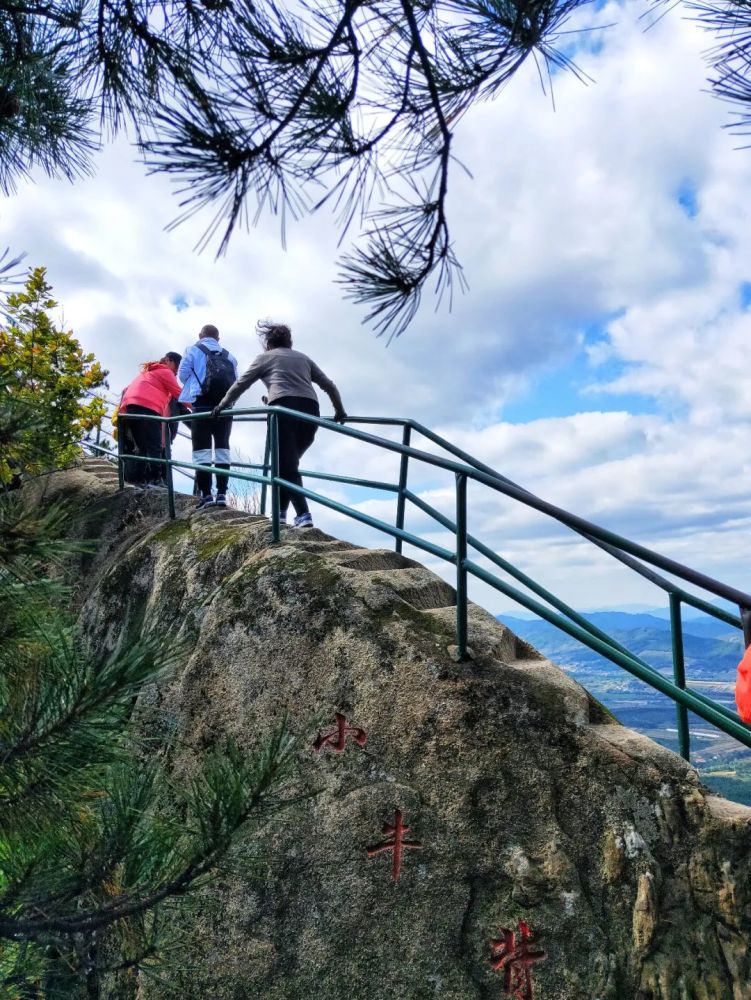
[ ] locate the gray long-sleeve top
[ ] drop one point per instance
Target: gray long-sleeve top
(284, 372)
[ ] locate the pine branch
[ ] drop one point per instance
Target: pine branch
(294, 107)
(220, 802)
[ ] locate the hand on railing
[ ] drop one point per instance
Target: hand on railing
(339, 417)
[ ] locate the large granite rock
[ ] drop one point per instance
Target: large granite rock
(541, 826)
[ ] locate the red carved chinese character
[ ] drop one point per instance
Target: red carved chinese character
(397, 843)
(514, 957)
(337, 739)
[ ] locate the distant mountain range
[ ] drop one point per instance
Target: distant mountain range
(712, 650)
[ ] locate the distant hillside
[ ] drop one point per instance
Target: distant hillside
(711, 648)
(712, 651)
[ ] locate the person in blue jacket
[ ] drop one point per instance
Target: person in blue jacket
(207, 371)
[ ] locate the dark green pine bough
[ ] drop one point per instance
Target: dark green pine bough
(97, 845)
(254, 105)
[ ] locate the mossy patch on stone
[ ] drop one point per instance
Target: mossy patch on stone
(219, 540)
(172, 531)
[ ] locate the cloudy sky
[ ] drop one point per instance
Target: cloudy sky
(600, 358)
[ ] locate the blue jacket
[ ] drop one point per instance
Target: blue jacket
(192, 370)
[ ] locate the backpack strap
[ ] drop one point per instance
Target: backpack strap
(207, 352)
(222, 352)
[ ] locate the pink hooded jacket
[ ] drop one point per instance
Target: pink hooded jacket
(743, 686)
(153, 388)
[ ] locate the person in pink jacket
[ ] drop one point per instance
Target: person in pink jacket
(149, 394)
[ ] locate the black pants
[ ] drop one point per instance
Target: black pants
(295, 437)
(146, 435)
(206, 433)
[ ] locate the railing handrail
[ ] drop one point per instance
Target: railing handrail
(494, 481)
(627, 560)
(632, 554)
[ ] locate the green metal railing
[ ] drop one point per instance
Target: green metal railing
(465, 469)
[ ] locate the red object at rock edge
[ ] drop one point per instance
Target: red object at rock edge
(743, 687)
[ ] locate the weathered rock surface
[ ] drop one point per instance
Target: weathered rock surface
(528, 802)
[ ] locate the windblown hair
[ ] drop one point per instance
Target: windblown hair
(172, 356)
(273, 334)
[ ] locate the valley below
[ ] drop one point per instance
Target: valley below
(712, 650)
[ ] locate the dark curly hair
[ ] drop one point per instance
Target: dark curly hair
(273, 334)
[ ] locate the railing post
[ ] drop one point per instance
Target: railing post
(120, 461)
(168, 470)
(266, 454)
(401, 499)
(461, 566)
(746, 623)
(679, 675)
(275, 532)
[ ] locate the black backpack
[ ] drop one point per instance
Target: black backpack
(220, 375)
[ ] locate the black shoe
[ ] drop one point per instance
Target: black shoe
(205, 501)
(221, 500)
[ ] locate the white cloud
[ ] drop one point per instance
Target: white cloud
(571, 219)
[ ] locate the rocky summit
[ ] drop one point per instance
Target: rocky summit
(463, 831)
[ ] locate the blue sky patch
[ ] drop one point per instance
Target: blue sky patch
(561, 392)
(687, 198)
(180, 302)
(563, 389)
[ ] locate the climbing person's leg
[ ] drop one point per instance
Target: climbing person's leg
(287, 458)
(153, 450)
(221, 428)
(147, 437)
(295, 436)
(132, 468)
(305, 432)
(200, 432)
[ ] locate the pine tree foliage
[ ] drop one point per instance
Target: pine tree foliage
(281, 107)
(48, 373)
(9, 273)
(730, 58)
(261, 105)
(97, 841)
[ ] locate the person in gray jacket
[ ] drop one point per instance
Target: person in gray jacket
(289, 376)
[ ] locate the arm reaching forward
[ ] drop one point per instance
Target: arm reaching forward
(317, 376)
(245, 381)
